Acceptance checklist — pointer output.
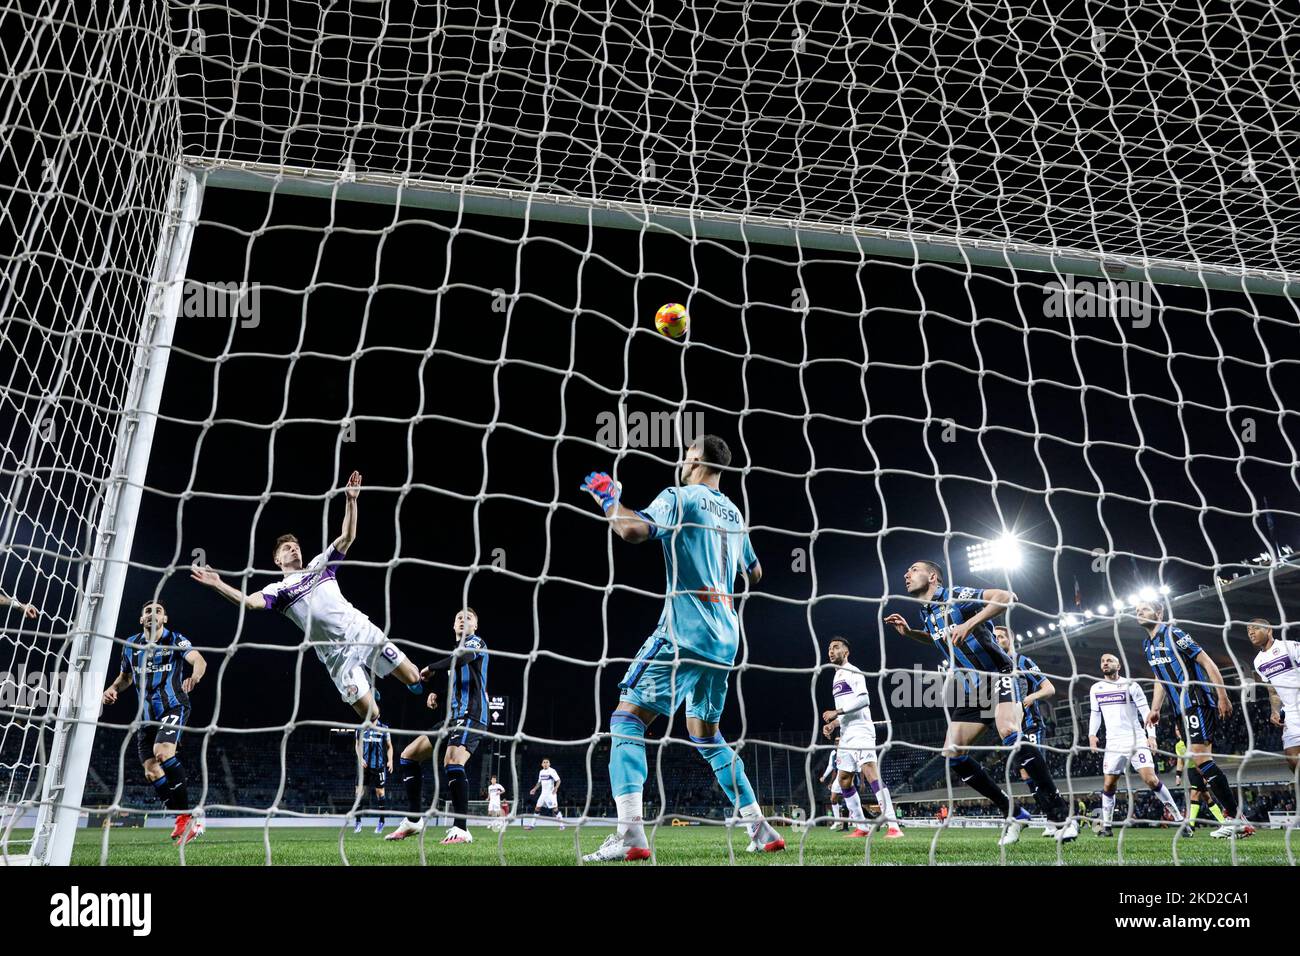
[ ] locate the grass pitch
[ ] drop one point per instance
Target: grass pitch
(674, 846)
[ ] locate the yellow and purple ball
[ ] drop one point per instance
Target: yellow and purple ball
(671, 320)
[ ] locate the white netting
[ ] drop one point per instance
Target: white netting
(88, 143)
(475, 368)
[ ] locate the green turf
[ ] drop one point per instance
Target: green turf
(675, 846)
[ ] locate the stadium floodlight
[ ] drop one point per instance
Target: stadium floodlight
(1002, 554)
(1102, 609)
(1147, 594)
(1041, 631)
(1163, 589)
(1088, 615)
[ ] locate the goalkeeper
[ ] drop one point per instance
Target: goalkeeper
(691, 651)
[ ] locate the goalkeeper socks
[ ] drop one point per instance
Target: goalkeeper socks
(627, 763)
(728, 768)
(854, 804)
(458, 788)
(1220, 787)
(1107, 808)
(413, 781)
(1167, 799)
(977, 778)
(1043, 786)
(1195, 811)
(178, 795)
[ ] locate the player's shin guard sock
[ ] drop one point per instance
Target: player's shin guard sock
(1107, 808)
(459, 790)
(178, 796)
(413, 781)
(1219, 786)
(1194, 812)
(1167, 799)
(886, 802)
(854, 805)
(1217, 812)
(1044, 787)
(162, 790)
(627, 771)
(977, 778)
(728, 768)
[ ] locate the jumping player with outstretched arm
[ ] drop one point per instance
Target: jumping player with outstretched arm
(346, 641)
(958, 623)
(691, 652)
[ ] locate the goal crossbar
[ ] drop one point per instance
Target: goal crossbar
(429, 193)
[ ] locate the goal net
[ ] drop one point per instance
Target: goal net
(1004, 287)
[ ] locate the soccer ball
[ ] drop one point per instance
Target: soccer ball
(671, 320)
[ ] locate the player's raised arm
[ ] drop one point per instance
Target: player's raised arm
(627, 524)
(995, 602)
(348, 533)
(27, 610)
(206, 576)
(899, 623)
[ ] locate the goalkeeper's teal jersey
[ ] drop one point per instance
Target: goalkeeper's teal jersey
(705, 547)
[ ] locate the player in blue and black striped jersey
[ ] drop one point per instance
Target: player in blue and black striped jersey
(152, 661)
(958, 623)
(467, 724)
(1187, 676)
(1034, 687)
(375, 753)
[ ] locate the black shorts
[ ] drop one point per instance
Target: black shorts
(977, 707)
(166, 729)
(374, 778)
(1202, 724)
(465, 733)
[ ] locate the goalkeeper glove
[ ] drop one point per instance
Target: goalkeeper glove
(605, 488)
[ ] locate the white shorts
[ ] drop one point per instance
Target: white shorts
(1115, 762)
(494, 809)
(1291, 734)
(857, 745)
(351, 667)
(547, 801)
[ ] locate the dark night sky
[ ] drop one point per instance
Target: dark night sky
(474, 429)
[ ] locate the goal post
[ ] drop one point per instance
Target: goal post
(857, 208)
(76, 708)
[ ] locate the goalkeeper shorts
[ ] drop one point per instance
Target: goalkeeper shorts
(657, 682)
